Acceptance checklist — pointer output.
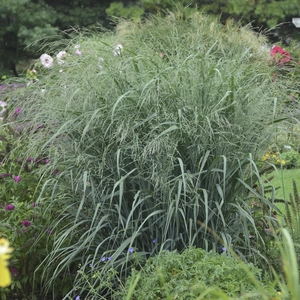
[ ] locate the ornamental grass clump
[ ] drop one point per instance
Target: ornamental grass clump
(152, 132)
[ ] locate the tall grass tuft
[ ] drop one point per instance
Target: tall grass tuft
(152, 144)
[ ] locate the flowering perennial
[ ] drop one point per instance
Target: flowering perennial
(46, 60)
(280, 55)
(5, 250)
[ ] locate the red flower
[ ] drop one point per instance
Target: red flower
(280, 55)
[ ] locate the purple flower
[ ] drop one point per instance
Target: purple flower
(109, 258)
(47, 160)
(17, 111)
(224, 249)
(131, 250)
(34, 204)
(55, 172)
(154, 240)
(90, 265)
(9, 207)
(77, 298)
(13, 271)
(30, 159)
(5, 175)
(26, 223)
(17, 178)
(103, 259)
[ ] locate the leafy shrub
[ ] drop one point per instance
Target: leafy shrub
(151, 130)
(192, 273)
(22, 205)
(291, 158)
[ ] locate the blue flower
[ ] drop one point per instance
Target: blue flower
(109, 258)
(131, 250)
(77, 298)
(224, 249)
(154, 240)
(103, 258)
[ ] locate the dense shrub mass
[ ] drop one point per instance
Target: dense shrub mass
(192, 274)
(152, 133)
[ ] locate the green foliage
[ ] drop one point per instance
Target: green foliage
(192, 274)
(293, 216)
(291, 158)
(22, 205)
(130, 12)
(152, 141)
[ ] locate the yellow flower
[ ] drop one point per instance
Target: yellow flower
(274, 156)
(5, 250)
(283, 161)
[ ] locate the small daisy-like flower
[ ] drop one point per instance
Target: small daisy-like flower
(46, 60)
(118, 49)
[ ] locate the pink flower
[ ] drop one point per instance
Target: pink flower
(78, 52)
(47, 160)
(17, 178)
(26, 223)
(9, 207)
(280, 55)
(17, 111)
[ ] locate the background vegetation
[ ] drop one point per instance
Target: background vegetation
(27, 25)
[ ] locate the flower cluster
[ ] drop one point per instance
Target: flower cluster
(280, 55)
(273, 157)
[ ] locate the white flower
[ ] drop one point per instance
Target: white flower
(77, 46)
(100, 61)
(287, 147)
(46, 60)
(60, 56)
(118, 49)
(61, 71)
(3, 104)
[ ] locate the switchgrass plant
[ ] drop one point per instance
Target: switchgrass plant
(152, 132)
